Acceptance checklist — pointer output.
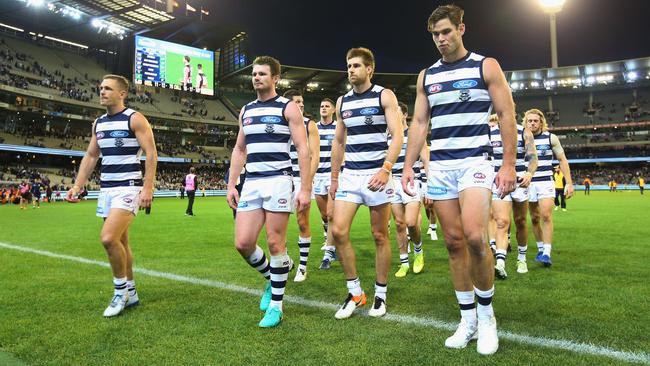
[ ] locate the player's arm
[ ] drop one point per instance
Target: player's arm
(530, 157)
(299, 137)
(88, 163)
(417, 135)
(338, 149)
(394, 123)
(558, 151)
(237, 160)
(144, 134)
(314, 148)
(504, 107)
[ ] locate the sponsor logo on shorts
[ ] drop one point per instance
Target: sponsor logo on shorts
(341, 193)
(271, 119)
(435, 88)
(100, 135)
(247, 121)
(282, 201)
(436, 191)
(119, 134)
(368, 111)
(390, 191)
(100, 210)
(127, 200)
(479, 175)
(242, 204)
(347, 114)
(465, 84)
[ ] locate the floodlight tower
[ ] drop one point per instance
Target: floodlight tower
(552, 7)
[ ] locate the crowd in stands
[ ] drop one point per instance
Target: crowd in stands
(173, 177)
(628, 175)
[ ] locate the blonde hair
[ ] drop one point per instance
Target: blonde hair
(494, 118)
(122, 82)
(541, 116)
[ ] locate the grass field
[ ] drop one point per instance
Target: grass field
(199, 298)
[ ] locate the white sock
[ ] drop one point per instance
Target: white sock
(354, 286)
(304, 244)
(522, 252)
(380, 290)
(418, 247)
(484, 308)
(279, 274)
(547, 249)
(130, 286)
(501, 254)
(404, 259)
(540, 246)
(467, 306)
(120, 285)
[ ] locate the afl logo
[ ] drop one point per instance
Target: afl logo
(465, 84)
(479, 175)
(496, 143)
(435, 88)
(368, 111)
(282, 201)
(389, 191)
(271, 119)
(100, 135)
(347, 114)
(127, 200)
(119, 134)
(247, 121)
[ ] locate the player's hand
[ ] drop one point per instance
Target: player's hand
(505, 180)
(303, 200)
(408, 181)
(334, 185)
(428, 202)
(568, 191)
(73, 195)
(233, 198)
(146, 196)
(524, 181)
(378, 181)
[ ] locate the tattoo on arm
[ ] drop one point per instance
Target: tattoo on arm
(531, 152)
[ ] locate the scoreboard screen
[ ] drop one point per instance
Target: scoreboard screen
(173, 66)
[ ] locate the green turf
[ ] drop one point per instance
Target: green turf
(596, 292)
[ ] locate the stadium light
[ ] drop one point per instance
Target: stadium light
(632, 76)
(35, 3)
(552, 7)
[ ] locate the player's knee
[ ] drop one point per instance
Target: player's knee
(520, 223)
(411, 222)
(108, 239)
(339, 234)
(534, 219)
(400, 225)
(477, 246)
(454, 242)
(502, 223)
(381, 236)
(547, 217)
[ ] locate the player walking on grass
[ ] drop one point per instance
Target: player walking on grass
(266, 126)
(456, 94)
(120, 135)
(365, 114)
(302, 217)
(542, 187)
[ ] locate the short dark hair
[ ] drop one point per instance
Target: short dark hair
(121, 81)
(273, 63)
(364, 53)
(199, 65)
(452, 12)
(328, 100)
(403, 107)
(192, 170)
(289, 94)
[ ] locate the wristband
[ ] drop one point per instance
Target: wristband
(388, 166)
(386, 170)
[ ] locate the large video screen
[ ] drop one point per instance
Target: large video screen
(173, 66)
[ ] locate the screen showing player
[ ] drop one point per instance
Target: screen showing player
(173, 66)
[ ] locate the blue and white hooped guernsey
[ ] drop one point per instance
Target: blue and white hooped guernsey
(544, 148)
(293, 153)
(460, 107)
(120, 150)
(326, 137)
(267, 138)
(497, 147)
(367, 138)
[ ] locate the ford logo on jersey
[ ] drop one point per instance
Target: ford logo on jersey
(271, 119)
(119, 134)
(367, 111)
(543, 147)
(465, 84)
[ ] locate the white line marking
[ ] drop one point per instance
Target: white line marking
(567, 345)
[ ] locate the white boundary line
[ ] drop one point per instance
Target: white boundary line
(567, 345)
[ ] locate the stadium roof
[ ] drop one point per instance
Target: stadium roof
(96, 23)
(593, 75)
